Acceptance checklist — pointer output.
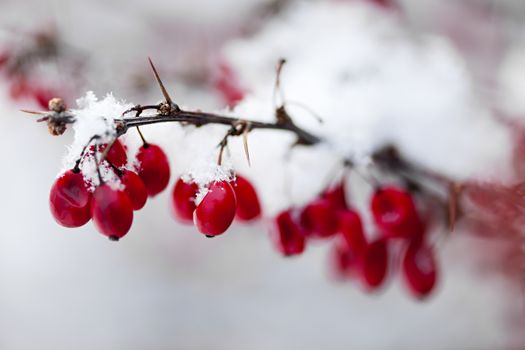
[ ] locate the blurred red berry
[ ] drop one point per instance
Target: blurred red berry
(4, 59)
(42, 95)
(225, 82)
(248, 205)
(387, 4)
(183, 200)
(374, 264)
(19, 88)
(154, 169)
(319, 218)
(395, 213)
(336, 196)
(289, 237)
(112, 212)
(344, 262)
(216, 211)
(70, 200)
(351, 229)
(419, 268)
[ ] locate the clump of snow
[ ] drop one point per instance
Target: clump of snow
(512, 84)
(374, 83)
(206, 170)
(94, 117)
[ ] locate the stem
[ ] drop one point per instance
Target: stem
(202, 118)
(144, 143)
(76, 168)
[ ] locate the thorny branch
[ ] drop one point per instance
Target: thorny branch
(386, 158)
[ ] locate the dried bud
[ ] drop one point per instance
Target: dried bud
(165, 108)
(57, 105)
(56, 128)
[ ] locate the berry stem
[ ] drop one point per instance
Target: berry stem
(144, 143)
(76, 168)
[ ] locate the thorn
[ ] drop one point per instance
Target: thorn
(32, 112)
(245, 143)
(453, 193)
(162, 88)
(277, 87)
(44, 119)
(306, 108)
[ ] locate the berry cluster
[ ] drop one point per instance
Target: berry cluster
(223, 202)
(111, 209)
(401, 238)
(354, 255)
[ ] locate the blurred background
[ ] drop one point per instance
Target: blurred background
(166, 287)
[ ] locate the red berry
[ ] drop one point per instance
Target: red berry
(227, 85)
(69, 200)
(395, 213)
(289, 236)
(374, 264)
(134, 188)
(112, 212)
(319, 218)
(351, 228)
(420, 268)
(42, 96)
(4, 59)
(19, 88)
(116, 155)
(183, 200)
(385, 3)
(343, 261)
(248, 206)
(336, 196)
(154, 169)
(216, 211)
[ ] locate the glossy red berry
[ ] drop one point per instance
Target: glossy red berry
(216, 211)
(336, 196)
(419, 269)
(112, 212)
(117, 154)
(248, 205)
(374, 264)
(395, 213)
(154, 168)
(351, 229)
(183, 200)
(134, 188)
(289, 236)
(319, 218)
(70, 200)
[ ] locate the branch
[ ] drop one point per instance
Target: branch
(202, 118)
